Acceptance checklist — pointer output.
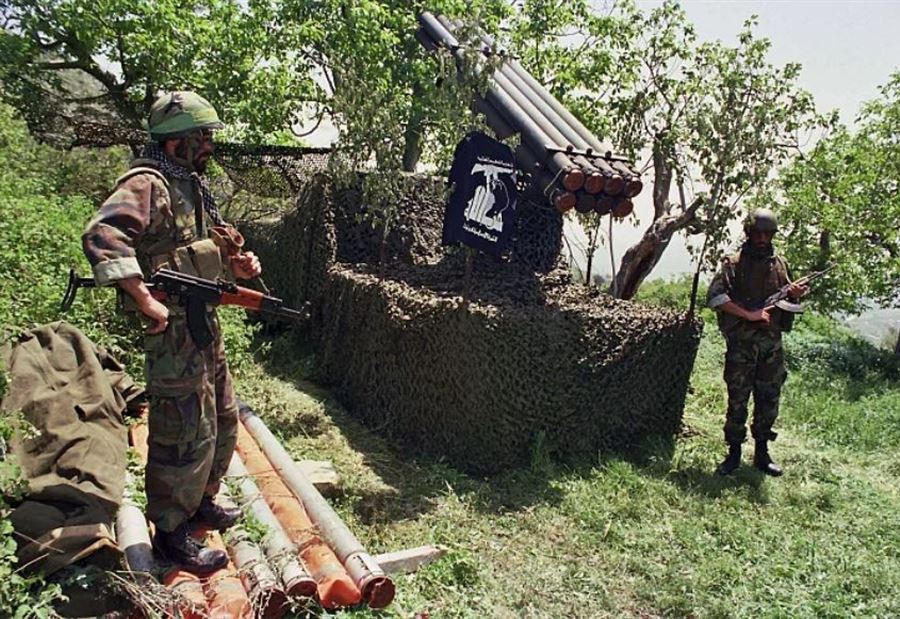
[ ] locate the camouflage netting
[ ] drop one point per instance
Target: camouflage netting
(529, 358)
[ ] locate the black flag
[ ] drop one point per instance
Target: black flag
(481, 212)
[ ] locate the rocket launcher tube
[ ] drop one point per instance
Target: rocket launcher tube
(267, 597)
(280, 550)
(580, 136)
(559, 164)
(593, 182)
(225, 593)
(376, 587)
(335, 587)
(555, 126)
(133, 535)
(494, 119)
(618, 178)
(191, 602)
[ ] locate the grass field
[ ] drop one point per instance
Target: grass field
(652, 533)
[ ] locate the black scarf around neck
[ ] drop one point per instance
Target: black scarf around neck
(168, 167)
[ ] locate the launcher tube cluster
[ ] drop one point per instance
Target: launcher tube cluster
(279, 550)
(377, 589)
(565, 161)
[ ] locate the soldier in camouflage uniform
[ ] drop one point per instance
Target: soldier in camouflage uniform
(160, 216)
(754, 359)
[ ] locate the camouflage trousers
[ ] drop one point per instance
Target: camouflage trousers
(754, 363)
(193, 421)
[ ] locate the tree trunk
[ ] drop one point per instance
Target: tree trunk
(591, 250)
(897, 345)
(643, 256)
(412, 146)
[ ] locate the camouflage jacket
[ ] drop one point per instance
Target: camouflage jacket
(748, 281)
(151, 221)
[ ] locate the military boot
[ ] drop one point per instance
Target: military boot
(179, 547)
(763, 461)
(731, 461)
(215, 516)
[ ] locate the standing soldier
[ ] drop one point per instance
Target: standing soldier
(160, 216)
(754, 359)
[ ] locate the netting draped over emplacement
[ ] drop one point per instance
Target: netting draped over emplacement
(477, 369)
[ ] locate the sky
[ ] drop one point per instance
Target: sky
(847, 48)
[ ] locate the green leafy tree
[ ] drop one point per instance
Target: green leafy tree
(83, 64)
(717, 120)
(714, 120)
(393, 103)
(387, 96)
(840, 203)
(576, 52)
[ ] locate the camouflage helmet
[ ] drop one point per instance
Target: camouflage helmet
(175, 114)
(761, 219)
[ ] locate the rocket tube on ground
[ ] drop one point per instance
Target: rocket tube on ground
(376, 587)
(225, 592)
(133, 534)
(280, 550)
(189, 590)
(267, 597)
(336, 588)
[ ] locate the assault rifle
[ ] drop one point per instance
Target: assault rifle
(780, 299)
(195, 293)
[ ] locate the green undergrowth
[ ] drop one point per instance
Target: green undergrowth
(649, 533)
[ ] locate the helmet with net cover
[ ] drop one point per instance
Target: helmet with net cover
(762, 220)
(175, 114)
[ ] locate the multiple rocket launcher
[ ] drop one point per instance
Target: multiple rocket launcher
(565, 161)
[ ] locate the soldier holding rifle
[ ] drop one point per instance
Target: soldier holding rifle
(742, 293)
(162, 216)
